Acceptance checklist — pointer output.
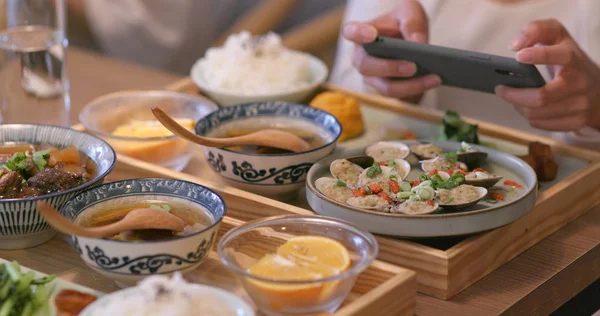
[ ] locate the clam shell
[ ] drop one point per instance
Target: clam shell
(424, 208)
(369, 202)
(402, 168)
(362, 161)
(484, 183)
(473, 159)
(417, 150)
(346, 171)
(384, 151)
(428, 165)
(482, 193)
(327, 186)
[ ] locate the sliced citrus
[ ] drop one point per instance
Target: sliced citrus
(310, 258)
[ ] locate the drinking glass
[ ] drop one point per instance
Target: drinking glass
(33, 82)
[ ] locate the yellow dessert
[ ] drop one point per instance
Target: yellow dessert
(305, 258)
(151, 151)
(345, 108)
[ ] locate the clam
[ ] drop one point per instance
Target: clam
(328, 187)
(384, 151)
(426, 151)
(382, 178)
(473, 159)
(487, 183)
(369, 202)
(402, 168)
(457, 198)
(440, 164)
(346, 171)
(415, 208)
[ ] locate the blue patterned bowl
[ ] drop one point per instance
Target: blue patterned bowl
(21, 226)
(128, 262)
(276, 175)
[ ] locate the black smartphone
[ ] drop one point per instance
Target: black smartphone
(459, 68)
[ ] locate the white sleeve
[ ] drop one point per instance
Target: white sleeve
(128, 29)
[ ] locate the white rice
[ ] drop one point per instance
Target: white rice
(250, 66)
(159, 295)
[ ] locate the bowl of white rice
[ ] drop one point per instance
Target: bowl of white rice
(257, 68)
(159, 295)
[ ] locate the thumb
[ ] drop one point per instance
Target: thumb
(359, 33)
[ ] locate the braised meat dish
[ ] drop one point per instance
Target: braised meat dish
(34, 170)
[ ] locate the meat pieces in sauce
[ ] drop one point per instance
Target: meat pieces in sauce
(71, 302)
(32, 170)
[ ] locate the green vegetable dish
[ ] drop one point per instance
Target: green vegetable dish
(21, 293)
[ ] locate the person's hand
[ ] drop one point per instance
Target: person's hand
(572, 99)
(409, 22)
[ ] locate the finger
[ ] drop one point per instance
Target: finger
(413, 21)
(387, 25)
(563, 124)
(359, 33)
(377, 67)
(553, 91)
(540, 31)
(404, 88)
(568, 107)
(560, 54)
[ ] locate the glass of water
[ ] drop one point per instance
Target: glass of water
(33, 82)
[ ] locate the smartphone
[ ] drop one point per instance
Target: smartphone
(459, 68)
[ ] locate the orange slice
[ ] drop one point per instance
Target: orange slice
(307, 258)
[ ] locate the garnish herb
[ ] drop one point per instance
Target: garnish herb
(391, 163)
(368, 190)
(454, 128)
(340, 183)
(451, 157)
(374, 171)
(162, 207)
(40, 159)
(450, 200)
(18, 162)
(490, 201)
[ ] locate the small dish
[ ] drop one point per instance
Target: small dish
(127, 262)
(244, 245)
(273, 175)
(318, 71)
(21, 226)
(104, 115)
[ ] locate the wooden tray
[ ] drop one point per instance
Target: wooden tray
(381, 288)
(444, 266)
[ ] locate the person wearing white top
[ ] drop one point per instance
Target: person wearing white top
(564, 35)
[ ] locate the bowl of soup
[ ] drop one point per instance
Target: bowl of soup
(49, 163)
(130, 256)
(264, 170)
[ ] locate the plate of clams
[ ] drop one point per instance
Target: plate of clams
(422, 188)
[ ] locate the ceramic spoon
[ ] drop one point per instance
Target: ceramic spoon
(141, 218)
(268, 137)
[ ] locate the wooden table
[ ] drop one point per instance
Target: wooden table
(537, 282)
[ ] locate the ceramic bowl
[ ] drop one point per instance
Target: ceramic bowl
(318, 71)
(128, 262)
(243, 246)
(273, 175)
(21, 226)
(103, 115)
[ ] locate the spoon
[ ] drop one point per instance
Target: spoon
(140, 218)
(267, 137)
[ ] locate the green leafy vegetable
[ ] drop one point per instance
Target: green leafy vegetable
(374, 170)
(340, 183)
(40, 159)
(18, 162)
(21, 293)
(451, 158)
(163, 207)
(455, 129)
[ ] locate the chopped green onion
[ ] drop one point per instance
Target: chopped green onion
(394, 177)
(423, 177)
(450, 200)
(391, 163)
(369, 192)
(340, 183)
(451, 157)
(374, 170)
(404, 195)
(490, 201)
(405, 186)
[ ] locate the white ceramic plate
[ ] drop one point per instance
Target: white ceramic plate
(479, 218)
(59, 285)
(230, 300)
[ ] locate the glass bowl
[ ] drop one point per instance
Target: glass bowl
(103, 115)
(244, 245)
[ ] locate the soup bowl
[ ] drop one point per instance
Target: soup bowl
(127, 262)
(21, 226)
(274, 175)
